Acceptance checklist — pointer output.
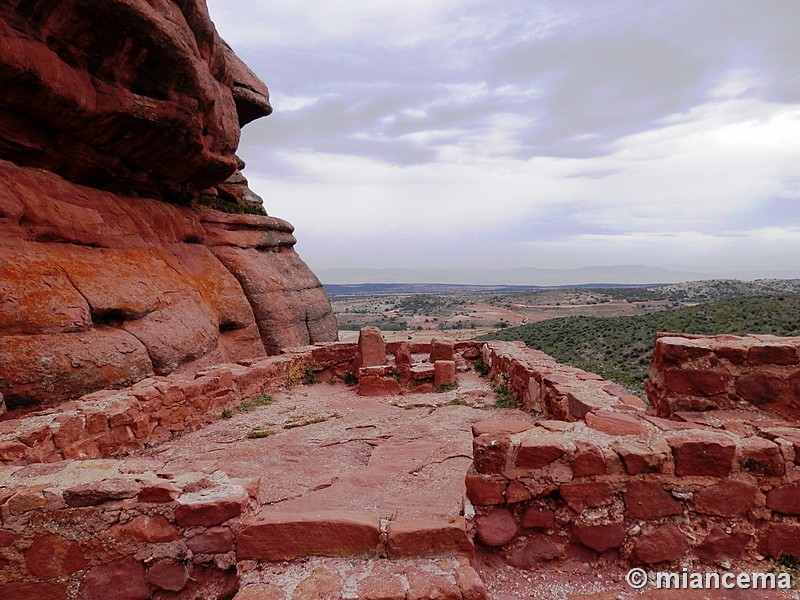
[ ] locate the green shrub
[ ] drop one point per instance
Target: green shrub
(310, 378)
(260, 400)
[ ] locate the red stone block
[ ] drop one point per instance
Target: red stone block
(718, 545)
(207, 512)
(26, 500)
(261, 591)
(648, 500)
(785, 499)
(334, 354)
(501, 426)
(381, 587)
(96, 422)
(124, 578)
(92, 494)
(517, 492)
(496, 528)
(114, 440)
(540, 548)
(579, 496)
(162, 492)
(484, 490)
(402, 356)
(538, 518)
(762, 457)
(615, 423)
(763, 388)
(53, 556)
(68, 430)
(35, 436)
(82, 450)
(426, 537)
(425, 388)
(599, 537)
(371, 349)
(791, 435)
(215, 540)
(778, 539)
(23, 590)
(442, 349)
(470, 584)
(423, 585)
(444, 373)
(728, 498)
(639, 458)
(675, 350)
(537, 450)
(691, 382)
(772, 354)
(277, 536)
(146, 528)
(8, 537)
(588, 460)
(584, 400)
(375, 385)
(667, 543)
(168, 575)
(490, 452)
(736, 355)
(702, 453)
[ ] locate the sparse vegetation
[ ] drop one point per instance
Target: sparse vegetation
(481, 368)
(230, 207)
(458, 402)
(260, 400)
(293, 424)
(258, 432)
(786, 564)
(226, 413)
(620, 348)
(447, 387)
(503, 397)
(310, 378)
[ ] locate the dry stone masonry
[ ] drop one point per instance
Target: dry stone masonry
(593, 474)
(585, 473)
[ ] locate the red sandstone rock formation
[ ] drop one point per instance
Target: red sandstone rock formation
(118, 119)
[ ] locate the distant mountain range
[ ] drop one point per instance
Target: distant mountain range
(531, 276)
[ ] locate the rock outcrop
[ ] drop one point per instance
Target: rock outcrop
(119, 122)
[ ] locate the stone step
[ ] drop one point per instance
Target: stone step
(273, 535)
(443, 578)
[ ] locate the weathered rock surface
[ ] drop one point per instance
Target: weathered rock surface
(115, 119)
(79, 77)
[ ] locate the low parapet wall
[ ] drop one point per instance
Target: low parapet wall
(590, 474)
(98, 529)
(696, 373)
(115, 422)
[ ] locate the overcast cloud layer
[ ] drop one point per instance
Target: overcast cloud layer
(432, 133)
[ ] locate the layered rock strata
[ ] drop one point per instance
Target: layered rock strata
(119, 122)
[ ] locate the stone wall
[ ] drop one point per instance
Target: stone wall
(103, 529)
(696, 373)
(114, 422)
(589, 473)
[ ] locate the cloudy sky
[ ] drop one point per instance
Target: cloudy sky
(550, 134)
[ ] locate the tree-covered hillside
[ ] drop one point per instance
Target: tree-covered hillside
(620, 348)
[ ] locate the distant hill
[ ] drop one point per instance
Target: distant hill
(620, 348)
(376, 289)
(531, 276)
(528, 276)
